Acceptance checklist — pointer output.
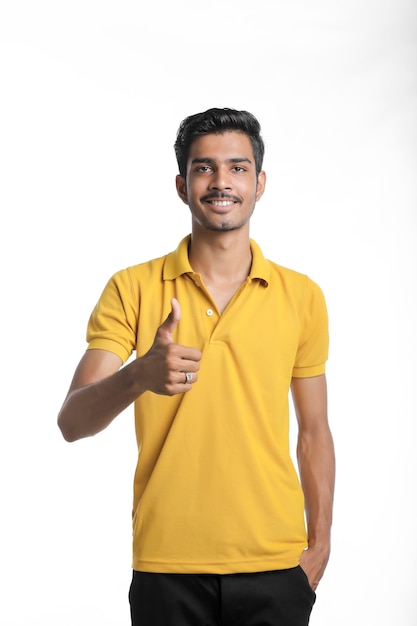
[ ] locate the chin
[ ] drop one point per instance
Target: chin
(225, 227)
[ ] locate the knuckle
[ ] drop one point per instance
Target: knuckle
(169, 390)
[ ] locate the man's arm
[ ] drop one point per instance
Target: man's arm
(100, 390)
(316, 460)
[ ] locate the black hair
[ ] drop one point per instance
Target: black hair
(218, 121)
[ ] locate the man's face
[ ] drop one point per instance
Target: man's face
(221, 186)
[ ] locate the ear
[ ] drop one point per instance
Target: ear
(181, 188)
(260, 188)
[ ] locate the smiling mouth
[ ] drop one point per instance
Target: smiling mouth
(221, 201)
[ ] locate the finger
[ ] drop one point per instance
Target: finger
(188, 378)
(169, 325)
(190, 361)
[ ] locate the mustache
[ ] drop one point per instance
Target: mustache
(219, 195)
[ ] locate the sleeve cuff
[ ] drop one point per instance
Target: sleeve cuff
(306, 372)
(110, 346)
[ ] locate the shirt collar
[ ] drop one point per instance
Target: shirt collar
(177, 263)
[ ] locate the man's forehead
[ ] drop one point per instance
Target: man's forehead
(227, 145)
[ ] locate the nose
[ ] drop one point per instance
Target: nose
(220, 179)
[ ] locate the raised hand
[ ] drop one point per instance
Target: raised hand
(168, 367)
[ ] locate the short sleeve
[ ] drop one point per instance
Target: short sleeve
(313, 345)
(113, 322)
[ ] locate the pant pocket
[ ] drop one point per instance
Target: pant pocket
(304, 576)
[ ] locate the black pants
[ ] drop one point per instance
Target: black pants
(277, 598)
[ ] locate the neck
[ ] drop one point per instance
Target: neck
(221, 257)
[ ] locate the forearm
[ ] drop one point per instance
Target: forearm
(316, 460)
(89, 409)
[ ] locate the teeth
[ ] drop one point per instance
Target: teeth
(222, 202)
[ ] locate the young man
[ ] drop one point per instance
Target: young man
(221, 335)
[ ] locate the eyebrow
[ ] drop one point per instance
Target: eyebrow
(233, 160)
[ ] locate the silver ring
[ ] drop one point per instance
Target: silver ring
(188, 377)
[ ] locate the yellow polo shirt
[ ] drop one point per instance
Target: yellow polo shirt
(215, 489)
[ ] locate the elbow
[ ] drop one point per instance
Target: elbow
(69, 438)
(67, 432)
(67, 435)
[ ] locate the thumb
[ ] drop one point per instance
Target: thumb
(173, 318)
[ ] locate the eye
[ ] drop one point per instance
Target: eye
(203, 169)
(239, 168)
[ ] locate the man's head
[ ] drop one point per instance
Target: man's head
(217, 121)
(220, 154)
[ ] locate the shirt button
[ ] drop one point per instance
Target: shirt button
(209, 312)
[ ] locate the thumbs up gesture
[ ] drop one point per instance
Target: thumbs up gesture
(168, 367)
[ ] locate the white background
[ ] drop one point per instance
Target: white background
(92, 93)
